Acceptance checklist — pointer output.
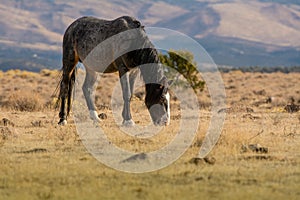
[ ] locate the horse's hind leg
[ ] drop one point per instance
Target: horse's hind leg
(88, 91)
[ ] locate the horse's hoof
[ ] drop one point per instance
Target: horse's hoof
(62, 122)
(128, 123)
(94, 116)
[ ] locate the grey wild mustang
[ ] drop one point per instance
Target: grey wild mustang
(119, 45)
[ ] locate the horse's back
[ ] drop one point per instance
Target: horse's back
(85, 33)
(91, 29)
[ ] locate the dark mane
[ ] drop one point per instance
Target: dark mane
(151, 72)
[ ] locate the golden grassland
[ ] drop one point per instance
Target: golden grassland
(41, 160)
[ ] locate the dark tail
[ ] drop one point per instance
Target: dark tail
(70, 91)
(66, 88)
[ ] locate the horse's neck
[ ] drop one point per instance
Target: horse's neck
(151, 70)
(152, 73)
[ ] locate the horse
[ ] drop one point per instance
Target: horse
(81, 39)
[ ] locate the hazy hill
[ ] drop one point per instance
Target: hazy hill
(236, 32)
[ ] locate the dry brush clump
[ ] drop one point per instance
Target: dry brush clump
(30, 91)
(24, 101)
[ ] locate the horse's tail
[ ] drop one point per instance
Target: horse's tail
(70, 90)
(65, 90)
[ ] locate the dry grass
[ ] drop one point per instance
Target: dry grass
(27, 91)
(40, 160)
(24, 101)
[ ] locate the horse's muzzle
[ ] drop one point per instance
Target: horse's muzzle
(164, 121)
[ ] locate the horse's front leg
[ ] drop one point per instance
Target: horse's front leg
(126, 91)
(88, 91)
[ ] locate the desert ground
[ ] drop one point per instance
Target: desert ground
(256, 157)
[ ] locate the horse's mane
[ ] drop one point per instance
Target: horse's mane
(147, 60)
(152, 73)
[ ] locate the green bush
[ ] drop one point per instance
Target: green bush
(183, 62)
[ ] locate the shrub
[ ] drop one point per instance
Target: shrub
(24, 101)
(183, 62)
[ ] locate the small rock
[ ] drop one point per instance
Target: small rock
(35, 150)
(248, 115)
(4, 133)
(269, 99)
(36, 123)
(254, 148)
(258, 157)
(199, 178)
(198, 161)
(249, 110)
(7, 122)
(292, 108)
(210, 160)
(103, 107)
(102, 116)
(260, 92)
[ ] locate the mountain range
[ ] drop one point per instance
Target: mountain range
(234, 32)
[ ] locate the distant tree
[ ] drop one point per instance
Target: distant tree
(183, 62)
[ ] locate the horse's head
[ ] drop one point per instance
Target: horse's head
(158, 102)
